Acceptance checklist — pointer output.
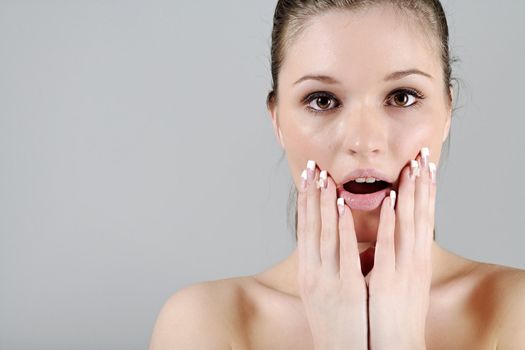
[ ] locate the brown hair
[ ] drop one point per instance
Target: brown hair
(291, 18)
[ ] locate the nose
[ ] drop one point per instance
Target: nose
(365, 133)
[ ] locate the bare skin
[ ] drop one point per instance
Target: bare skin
(469, 309)
(471, 305)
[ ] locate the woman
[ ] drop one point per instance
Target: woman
(361, 103)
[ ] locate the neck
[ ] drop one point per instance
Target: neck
(283, 275)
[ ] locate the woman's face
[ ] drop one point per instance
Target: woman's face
(362, 115)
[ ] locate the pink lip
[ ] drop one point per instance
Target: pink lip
(369, 201)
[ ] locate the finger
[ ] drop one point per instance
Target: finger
(433, 184)
(421, 204)
(385, 259)
(329, 231)
(313, 218)
(404, 232)
(350, 264)
(301, 225)
(431, 205)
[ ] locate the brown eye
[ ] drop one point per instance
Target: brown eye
(402, 99)
(405, 98)
(321, 102)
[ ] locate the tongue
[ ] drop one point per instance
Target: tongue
(365, 188)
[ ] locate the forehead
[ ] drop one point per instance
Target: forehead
(360, 45)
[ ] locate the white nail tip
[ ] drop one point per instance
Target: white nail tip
(303, 175)
(414, 165)
(322, 180)
(392, 199)
(425, 152)
(340, 205)
(310, 165)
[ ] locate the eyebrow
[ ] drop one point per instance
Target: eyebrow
(392, 76)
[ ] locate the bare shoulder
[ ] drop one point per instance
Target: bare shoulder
(203, 315)
(505, 289)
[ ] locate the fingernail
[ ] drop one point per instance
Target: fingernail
(432, 168)
(323, 179)
(414, 169)
(392, 199)
(425, 153)
(310, 167)
(341, 205)
(303, 180)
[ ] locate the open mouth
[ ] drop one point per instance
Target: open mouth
(365, 193)
(366, 186)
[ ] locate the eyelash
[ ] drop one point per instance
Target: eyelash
(311, 97)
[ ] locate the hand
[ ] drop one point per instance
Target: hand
(331, 285)
(399, 283)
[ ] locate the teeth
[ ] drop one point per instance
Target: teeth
(369, 180)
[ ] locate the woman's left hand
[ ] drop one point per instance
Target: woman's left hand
(399, 283)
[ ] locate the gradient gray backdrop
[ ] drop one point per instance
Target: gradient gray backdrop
(137, 157)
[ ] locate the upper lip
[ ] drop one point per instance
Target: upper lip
(369, 172)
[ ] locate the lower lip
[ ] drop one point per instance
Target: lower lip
(369, 201)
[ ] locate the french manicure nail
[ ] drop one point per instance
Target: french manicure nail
(432, 168)
(310, 166)
(414, 169)
(303, 180)
(323, 179)
(392, 199)
(341, 205)
(425, 153)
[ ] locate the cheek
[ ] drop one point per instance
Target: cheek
(304, 141)
(408, 140)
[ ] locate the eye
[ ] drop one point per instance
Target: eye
(406, 97)
(320, 102)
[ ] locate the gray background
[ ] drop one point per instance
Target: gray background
(137, 157)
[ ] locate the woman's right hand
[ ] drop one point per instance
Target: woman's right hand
(331, 284)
